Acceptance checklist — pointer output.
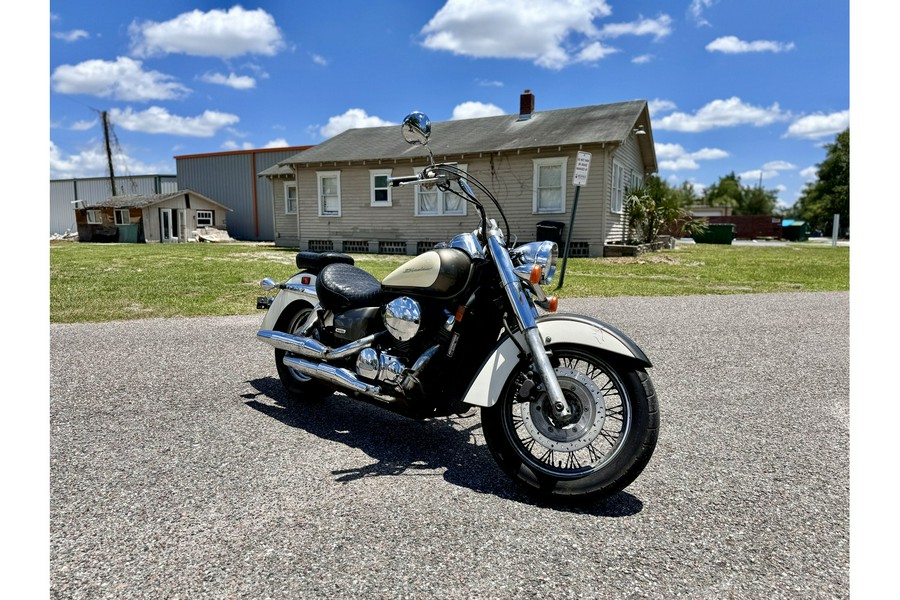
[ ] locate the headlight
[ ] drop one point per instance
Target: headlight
(543, 254)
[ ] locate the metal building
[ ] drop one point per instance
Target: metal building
(231, 179)
(91, 190)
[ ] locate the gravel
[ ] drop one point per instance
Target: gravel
(178, 469)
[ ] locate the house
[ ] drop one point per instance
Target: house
(169, 217)
(334, 196)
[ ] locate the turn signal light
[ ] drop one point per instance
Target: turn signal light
(536, 272)
(552, 303)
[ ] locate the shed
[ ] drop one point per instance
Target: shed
(169, 217)
(334, 196)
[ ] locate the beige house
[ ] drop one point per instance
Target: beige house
(335, 196)
(171, 217)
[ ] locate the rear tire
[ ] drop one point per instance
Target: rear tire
(298, 385)
(599, 450)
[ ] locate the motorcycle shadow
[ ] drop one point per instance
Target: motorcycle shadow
(408, 447)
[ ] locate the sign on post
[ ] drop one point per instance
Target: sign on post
(579, 178)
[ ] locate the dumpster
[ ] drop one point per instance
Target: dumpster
(795, 230)
(550, 230)
(128, 234)
(716, 233)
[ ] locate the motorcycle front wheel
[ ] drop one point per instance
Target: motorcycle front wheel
(597, 451)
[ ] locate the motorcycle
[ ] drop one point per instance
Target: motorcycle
(568, 410)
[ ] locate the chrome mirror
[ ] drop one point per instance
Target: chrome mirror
(416, 128)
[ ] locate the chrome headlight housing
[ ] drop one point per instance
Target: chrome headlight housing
(544, 254)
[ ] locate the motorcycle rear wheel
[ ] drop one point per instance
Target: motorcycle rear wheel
(593, 454)
(297, 385)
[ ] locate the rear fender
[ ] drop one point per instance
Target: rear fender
(578, 330)
(291, 291)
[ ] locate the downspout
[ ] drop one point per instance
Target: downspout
(254, 183)
(297, 182)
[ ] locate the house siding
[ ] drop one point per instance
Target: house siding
(629, 156)
(509, 175)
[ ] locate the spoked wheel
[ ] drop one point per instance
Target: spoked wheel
(596, 451)
(298, 385)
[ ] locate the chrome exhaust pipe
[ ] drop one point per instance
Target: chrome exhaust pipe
(340, 377)
(311, 348)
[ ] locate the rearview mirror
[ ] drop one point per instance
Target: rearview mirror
(416, 128)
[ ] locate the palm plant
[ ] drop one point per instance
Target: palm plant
(654, 209)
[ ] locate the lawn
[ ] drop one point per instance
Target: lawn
(104, 282)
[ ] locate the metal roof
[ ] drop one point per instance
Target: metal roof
(140, 201)
(602, 123)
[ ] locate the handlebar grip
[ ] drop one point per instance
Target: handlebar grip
(396, 181)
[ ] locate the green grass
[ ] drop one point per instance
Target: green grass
(104, 282)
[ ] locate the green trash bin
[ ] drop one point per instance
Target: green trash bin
(716, 233)
(128, 234)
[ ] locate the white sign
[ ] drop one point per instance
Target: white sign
(582, 165)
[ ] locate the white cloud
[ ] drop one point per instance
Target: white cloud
(489, 83)
(158, 120)
(219, 33)
(122, 79)
(658, 105)
(813, 127)
(319, 59)
(352, 119)
(642, 59)
(673, 157)
(756, 174)
(84, 125)
(696, 10)
(542, 31)
(473, 110)
(594, 52)
(279, 143)
(732, 45)
(659, 28)
(810, 173)
(71, 36)
(779, 165)
(722, 113)
(231, 146)
(238, 82)
(92, 162)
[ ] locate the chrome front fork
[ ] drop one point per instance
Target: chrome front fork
(525, 317)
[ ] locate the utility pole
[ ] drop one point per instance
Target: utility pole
(112, 175)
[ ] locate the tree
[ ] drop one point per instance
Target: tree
(743, 199)
(829, 195)
(656, 208)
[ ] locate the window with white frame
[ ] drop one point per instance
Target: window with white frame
(637, 181)
(436, 203)
(550, 185)
(122, 216)
(204, 218)
(381, 189)
(618, 188)
(94, 217)
(329, 185)
(290, 198)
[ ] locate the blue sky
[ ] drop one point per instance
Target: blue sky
(751, 87)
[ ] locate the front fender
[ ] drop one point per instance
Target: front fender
(579, 330)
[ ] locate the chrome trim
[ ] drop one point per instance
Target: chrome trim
(468, 243)
(313, 348)
(402, 317)
(340, 377)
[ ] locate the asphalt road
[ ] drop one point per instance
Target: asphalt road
(178, 470)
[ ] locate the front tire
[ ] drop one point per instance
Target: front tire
(599, 450)
(297, 385)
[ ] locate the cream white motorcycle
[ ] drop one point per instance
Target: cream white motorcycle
(567, 407)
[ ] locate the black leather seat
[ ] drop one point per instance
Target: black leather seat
(341, 286)
(316, 261)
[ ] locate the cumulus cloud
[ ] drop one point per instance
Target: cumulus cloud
(121, 79)
(543, 31)
(659, 28)
(238, 82)
(695, 10)
(819, 125)
(732, 45)
(642, 59)
(473, 110)
(71, 36)
(220, 33)
(722, 113)
(673, 157)
(658, 105)
(158, 120)
(279, 143)
(84, 125)
(810, 173)
(319, 60)
(779, 165)
(758, 174)
(352, 119)
(92, 162)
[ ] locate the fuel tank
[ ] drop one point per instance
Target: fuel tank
(443, 273)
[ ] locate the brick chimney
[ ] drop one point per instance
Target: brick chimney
(526, 105)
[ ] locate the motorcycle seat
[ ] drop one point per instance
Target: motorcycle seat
(316, 261)
(341, 286)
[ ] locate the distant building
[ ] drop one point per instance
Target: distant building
(92, 190)
(231, 179)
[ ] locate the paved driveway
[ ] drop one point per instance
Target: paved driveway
(178, 470)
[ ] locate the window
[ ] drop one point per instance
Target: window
(290, 198)
(94, 217)
(636, 181)
(435, 203)
(329, 184)
(204, 218)
(381, 190)
(122, 216)
(549, 185)
(618, 188)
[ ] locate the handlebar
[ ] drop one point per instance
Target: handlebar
(398, 181)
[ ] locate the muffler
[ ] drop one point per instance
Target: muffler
(340, 377)
(311, 348)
